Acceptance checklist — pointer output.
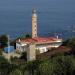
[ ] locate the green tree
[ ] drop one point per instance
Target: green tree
(45, 68)
(32, 66)
(3, 41)
(3, 60)
(69, 43)
(58, 65)
(25, 36)
(28, 36)
(1, 51)
(5, 69)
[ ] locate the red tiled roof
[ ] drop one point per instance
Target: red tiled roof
(38, 39)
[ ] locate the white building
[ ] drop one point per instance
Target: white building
(41, 44)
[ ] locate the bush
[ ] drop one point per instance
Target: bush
(1, 51)
(16, 72)
(3, 40)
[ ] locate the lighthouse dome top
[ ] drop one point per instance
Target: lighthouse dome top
(34, 11)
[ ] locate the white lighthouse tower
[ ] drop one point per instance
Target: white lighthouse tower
(34, 24)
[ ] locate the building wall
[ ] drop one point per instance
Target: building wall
(41, 47)
(18, 46)
(44, 47)
(21, 47)
(31, 52)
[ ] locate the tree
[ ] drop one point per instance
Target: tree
(65, 43)
(69, 43)
(1, 51)
(3, 60)
(3, 41)
(28, 36)
(5, 69)
(25, 36)
(32, 66)
(45, 68)
(58, 65)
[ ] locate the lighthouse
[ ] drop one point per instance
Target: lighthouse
(34, 23)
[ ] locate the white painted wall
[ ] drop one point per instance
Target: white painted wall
(42, 48)
(20, 47)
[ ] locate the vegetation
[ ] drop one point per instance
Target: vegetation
(16, 72)
(69, 43)
(1, 51)
(27, 36)
(59, 64)
(3, 41)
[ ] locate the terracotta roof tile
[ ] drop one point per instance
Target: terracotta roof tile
(38, 39)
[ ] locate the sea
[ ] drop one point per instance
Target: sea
(55, 17)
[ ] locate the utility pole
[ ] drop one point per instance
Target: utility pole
(8, 46)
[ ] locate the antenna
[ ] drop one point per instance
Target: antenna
(8, 47)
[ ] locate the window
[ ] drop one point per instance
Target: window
(35, 29)
(35, 25)
(35, 34)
